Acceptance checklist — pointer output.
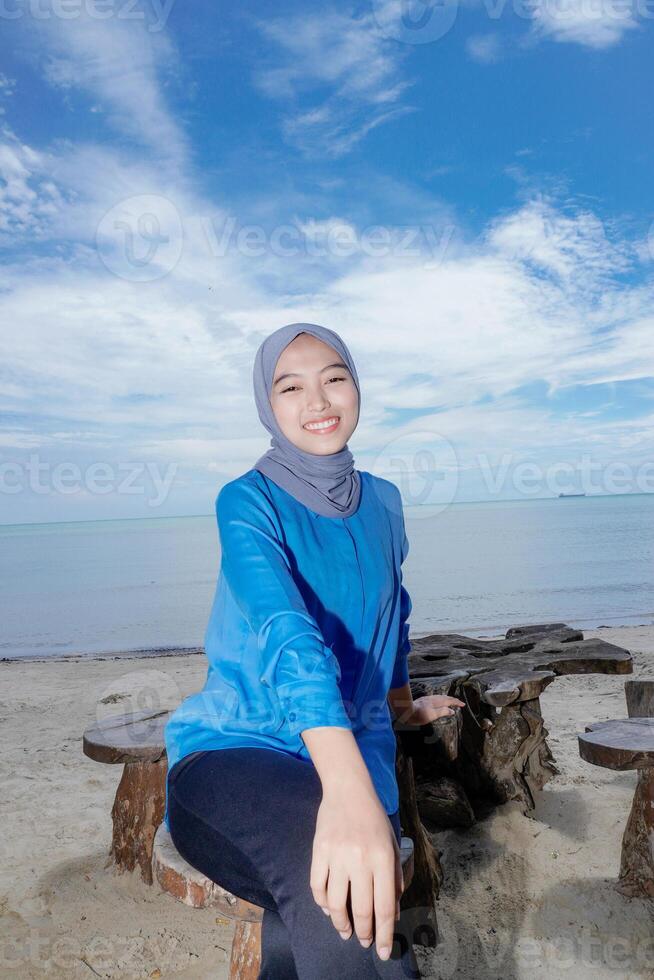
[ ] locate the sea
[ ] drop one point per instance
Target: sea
(145, 586)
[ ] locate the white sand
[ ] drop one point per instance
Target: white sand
(522, 897)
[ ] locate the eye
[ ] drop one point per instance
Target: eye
(295, 387)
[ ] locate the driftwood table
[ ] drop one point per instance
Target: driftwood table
(494, 749)
(628, 743)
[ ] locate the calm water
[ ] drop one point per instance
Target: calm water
(478, 568)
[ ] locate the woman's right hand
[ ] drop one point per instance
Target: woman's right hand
(355, 849)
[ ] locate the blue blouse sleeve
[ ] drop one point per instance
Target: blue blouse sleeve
(296, 662)
(401, 670)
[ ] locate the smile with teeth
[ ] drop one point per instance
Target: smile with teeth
(323, 426)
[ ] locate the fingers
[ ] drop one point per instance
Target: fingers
(385, 907)
(450, 707)
(361, 890)
(318, 879)
(337, 889)
(361, 893)
(399, 883)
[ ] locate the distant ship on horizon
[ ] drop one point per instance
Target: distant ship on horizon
(572, 495)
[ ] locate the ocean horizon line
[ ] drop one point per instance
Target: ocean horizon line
(435, 503)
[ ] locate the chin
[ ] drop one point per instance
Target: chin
(325, 448)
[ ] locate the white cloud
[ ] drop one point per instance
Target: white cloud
(7, 89)
(485, 48)
(28, 197)
(343, 68)
(561, 244)
(589, 23)
(528, 301)
(98, 366)
(119, 63)
(595, 24)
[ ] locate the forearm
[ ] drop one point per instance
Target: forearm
(401, 701)
(338, 760)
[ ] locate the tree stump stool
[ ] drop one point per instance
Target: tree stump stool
(135, 739)
(185, 883)
(628, 743)
(639, 693)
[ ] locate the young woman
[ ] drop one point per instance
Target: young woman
(281, 783)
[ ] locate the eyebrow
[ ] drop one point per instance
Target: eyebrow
(337, 364)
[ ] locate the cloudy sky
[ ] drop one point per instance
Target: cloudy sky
(462, 190)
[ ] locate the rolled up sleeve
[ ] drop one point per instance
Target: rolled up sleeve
(295, 660)
(401, 669)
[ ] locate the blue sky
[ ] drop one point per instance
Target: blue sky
(462, 190)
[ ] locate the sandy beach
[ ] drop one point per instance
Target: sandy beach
(522, 897)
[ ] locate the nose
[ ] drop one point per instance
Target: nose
(317, 400)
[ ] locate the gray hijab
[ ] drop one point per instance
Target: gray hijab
(328, 485)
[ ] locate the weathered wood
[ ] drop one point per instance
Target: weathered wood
(443, 803)
(496, 755)
(636, 877)
(188, 885)
(136, 736)
(441, 653)
(135, 739)
(628, 743)
(137, 811)
(245, 960)
(560, 630)
(619, 743)
(516, 758)
(422, 892)
(508, 685)
(639, 693)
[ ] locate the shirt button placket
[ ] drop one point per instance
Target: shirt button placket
(361, 665)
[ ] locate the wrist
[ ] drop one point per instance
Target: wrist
(401, 701)
(352, 790)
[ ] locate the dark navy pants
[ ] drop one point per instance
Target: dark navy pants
(246, 818)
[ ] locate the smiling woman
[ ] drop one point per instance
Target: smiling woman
(314, 394)
(304, 374)
(282, 785)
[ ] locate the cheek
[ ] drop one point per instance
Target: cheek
(286, 415)
(350, 400)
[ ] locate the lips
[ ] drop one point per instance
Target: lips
(318, 425)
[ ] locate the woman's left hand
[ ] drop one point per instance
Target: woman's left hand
(429, 707)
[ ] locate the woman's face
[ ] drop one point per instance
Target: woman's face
(312, 384)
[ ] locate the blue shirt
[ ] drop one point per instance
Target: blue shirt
(308, 627)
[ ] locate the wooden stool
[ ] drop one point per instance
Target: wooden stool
(639, 693)
(177, 877)
(628, 743)
(135, 739)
